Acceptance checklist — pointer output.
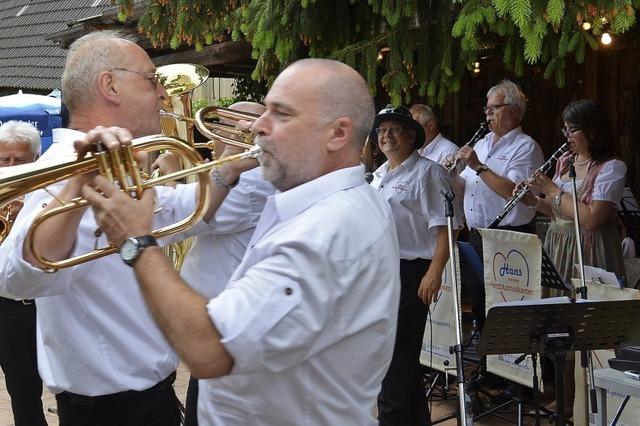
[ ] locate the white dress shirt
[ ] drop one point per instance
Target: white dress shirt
(95, 334)
(514, 156)
(413, 191)
(309, 316)
(439, 148)
(220, 245)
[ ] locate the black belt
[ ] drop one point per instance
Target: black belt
(22, 301)
(77, 399)
(412, 261)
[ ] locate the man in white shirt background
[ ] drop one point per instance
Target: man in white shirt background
(20, 144)
(506, 155)
(220, 244)
(436, 147)
(305, 318)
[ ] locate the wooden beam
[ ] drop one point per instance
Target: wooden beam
(217, 54)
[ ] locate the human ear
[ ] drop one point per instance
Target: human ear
(107, 87)
(341, 133)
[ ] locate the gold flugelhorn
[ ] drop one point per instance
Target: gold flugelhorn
(119, 166)
(218, 131)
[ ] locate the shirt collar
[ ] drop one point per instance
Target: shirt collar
(509, 137)
(431, 145)
(294, 201)
(407, 163)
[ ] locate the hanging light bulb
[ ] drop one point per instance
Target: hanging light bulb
(606, 39)
(586, 26)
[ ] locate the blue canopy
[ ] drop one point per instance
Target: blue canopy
(45, 118)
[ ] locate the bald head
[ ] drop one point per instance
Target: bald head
(341, 92)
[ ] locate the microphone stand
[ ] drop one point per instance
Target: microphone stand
(464, 401)
(586, 360)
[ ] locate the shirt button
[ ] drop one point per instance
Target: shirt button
(288, 291)
(44, 205)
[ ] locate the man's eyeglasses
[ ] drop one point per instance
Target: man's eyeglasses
(393, 130)
(152, 77)
(570, 131)
(490, 109)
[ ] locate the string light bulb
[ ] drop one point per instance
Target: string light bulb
(476, 67)
(586, 26)
(606, 39)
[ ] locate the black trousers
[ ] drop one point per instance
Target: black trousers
(156, 406)
(478, 303)
(191, 405)
(402, 400)
(18, 360)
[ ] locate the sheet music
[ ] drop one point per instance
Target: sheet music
(599, 275)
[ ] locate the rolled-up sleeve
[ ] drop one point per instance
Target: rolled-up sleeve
(260, 316)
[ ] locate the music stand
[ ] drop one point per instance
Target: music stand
(550, 277)
(555, 326)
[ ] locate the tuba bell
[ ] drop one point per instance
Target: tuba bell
(179, 81)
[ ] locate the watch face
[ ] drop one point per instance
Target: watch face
(129, 249)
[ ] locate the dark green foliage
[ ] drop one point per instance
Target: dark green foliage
(407, 47)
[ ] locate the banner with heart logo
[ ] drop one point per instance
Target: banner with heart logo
(512, 272)
(439, 334)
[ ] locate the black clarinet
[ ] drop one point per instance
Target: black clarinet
(479, 134)
(515, 199)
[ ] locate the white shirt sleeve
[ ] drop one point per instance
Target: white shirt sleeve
(609, 184)
(271, 318)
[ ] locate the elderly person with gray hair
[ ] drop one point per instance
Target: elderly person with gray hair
(506, 155)
(436, 147)
(20, 144)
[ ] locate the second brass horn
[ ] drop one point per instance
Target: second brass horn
(117, 166)
(218, 131)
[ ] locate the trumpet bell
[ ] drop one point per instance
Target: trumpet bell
(225, 130)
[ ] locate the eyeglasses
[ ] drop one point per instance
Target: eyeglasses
(570, 131)
(151, 76)
(489, 109)
(393, 130)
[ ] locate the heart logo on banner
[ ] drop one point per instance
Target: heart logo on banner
(511, 271)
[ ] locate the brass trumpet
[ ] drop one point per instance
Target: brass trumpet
(217, 131)
(119, 166)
